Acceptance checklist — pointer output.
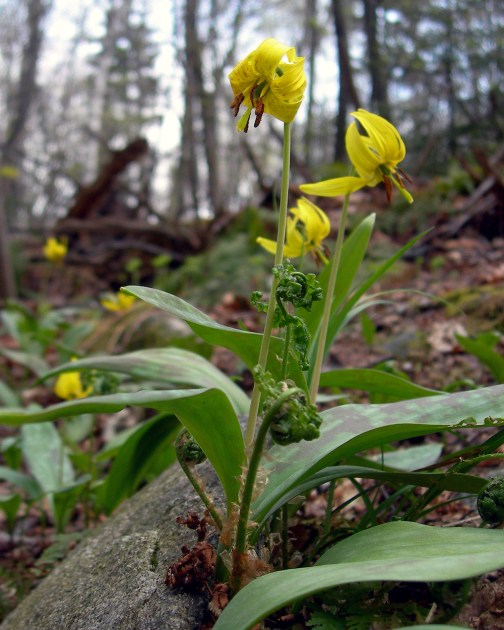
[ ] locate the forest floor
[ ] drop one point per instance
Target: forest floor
(455, 288)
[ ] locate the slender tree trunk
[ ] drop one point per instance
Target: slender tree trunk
(7, 284)
(117, 15)
(379, 100)
(347, 91)
(194, 66)
(312, 37)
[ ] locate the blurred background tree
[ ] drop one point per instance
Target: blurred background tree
(81, 83)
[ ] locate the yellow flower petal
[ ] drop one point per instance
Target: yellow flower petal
(375, 153)
(278, 85)
(306, 228)
(54, 250)
(268, 244)
(334, 187)
(69, 386)
(118, 301)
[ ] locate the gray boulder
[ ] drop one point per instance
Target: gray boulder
(115, 577)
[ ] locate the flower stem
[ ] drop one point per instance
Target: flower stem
(326, 315)
(248, 488)
(268, 325)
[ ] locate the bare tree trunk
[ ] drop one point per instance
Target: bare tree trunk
(347, 91)
(379, 100)
(312, 37)
(37, 9)
(194, 67)
(7, 284)
(117, 15)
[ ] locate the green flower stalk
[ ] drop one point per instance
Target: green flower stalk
(271, 80)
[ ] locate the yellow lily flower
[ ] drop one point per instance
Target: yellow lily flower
(54, 250)
(263, 81)
(375, 156)
(118, 301)
(306, 229)
(69, 386)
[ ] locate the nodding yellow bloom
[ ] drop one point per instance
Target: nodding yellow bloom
(306, 229)
(118, 301)
(54, 250)
(375, 154)
(69, 386)
(270, 80)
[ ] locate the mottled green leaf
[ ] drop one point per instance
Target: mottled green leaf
(375, 381)
(243, 343)
(166, 366)
(206, 413)
(351, 429)
(395, 551)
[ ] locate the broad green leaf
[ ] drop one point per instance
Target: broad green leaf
(136, 456)
(206, 413)
(45, 455)
(394, 551)
(351, 429)
(243, 343)
(30, 361)
(171, 366)
(403, 539)
(25, 482)
(352, 254)
(8, 396)
(339, 315)
(375, 381)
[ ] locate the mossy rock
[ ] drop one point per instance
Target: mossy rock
(115, 578)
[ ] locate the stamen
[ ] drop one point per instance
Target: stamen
(405, 175)
(259, 111)
(237, 101)
(388, 188)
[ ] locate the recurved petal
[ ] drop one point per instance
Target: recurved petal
(363, 155)
(283, 110)
(285, 93)
(315, 219)
(268, 55)
(268, 244)
(243, 77)
(296, 242)
(335, 187)
(383, 135)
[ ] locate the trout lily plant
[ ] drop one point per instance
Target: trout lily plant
(290, 446)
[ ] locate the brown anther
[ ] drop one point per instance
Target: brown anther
(405, 175)
(388, 188)
(246, 128)
(400, 180)
(237, 101)
(259, 111)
